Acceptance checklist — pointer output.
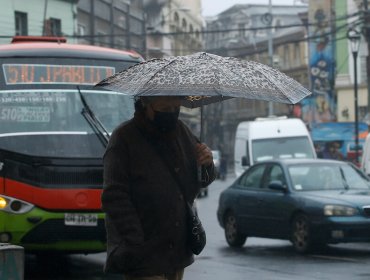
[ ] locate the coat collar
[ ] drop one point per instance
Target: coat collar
(150, 131)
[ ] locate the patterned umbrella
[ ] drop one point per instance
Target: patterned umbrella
(204, 78)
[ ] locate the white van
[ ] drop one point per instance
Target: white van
(271, 138)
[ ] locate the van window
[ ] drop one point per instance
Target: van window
(277, 148)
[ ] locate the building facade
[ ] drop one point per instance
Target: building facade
(37, 18)
(174, 27)
(344, 82)
(117, 24)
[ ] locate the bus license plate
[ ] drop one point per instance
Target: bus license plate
(74, 219)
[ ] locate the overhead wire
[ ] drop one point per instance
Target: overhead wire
(203, 31)
(260, 50)
(261, 44)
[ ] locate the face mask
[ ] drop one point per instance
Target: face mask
(166, 121)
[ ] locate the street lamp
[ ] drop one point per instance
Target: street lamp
(354, 37)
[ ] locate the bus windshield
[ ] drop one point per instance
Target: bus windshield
(48, 122)
(287, 147)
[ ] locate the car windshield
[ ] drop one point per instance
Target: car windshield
(50, 123)
(321, 176)
(287, 147)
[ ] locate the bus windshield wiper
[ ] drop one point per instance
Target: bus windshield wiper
(93, 120)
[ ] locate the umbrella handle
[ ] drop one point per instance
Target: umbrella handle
(201, 170)
(201, 136)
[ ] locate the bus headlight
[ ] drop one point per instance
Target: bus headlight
(3, 202)
(14, 206)
(339, 210)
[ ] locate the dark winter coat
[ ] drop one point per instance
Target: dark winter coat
(144, 206)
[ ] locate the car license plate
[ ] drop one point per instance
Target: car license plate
(75, 219)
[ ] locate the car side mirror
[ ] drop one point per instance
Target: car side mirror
(245, 161)
(277, 186)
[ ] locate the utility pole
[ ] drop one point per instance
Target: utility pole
(128, 27)
(92, 23)
(111, 24)
(270, 50)
(44, 27)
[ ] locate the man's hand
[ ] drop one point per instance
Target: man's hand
(204, 154)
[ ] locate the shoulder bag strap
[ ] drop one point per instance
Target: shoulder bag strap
(170, 168)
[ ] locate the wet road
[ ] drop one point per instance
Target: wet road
(258, 259)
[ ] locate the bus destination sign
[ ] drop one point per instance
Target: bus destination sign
(17, 74)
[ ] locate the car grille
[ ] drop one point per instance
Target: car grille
(53, 230)
(367, 210)
(359, 233)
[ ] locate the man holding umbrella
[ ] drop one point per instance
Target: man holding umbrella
(145, 205)
(151, 162)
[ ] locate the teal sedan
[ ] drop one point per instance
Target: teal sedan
(311, 202)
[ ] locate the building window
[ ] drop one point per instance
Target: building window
(81, 29)
(21, 26)
(53, 27)
(241, 28)
(362, 110)
(56, 26)
(184, 24)
(297, 54)
(176, 18)
(286, 56)
(102, 38)
(277, 25)
(191, 29)
(120, 44)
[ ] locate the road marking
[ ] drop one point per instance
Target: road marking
(334, 258)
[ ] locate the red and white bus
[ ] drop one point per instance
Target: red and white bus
(51, 170)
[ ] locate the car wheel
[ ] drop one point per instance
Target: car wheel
(233, 236)
(301, 238)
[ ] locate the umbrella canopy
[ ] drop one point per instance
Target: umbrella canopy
(205, 78)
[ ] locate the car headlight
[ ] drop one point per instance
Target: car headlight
(339, 210)
(13, 205)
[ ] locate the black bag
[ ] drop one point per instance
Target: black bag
(196, 233)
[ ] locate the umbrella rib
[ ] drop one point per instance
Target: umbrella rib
(217, 73)
(154, 74)
(278, 85)
(270, 80)
(239, 76)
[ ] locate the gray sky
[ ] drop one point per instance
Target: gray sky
(214, 7)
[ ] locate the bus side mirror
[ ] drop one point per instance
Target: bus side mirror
(245, 161)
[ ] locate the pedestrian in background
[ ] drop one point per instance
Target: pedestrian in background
(223, 166)
(144, 204)
(318, 150)
(332, 151)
